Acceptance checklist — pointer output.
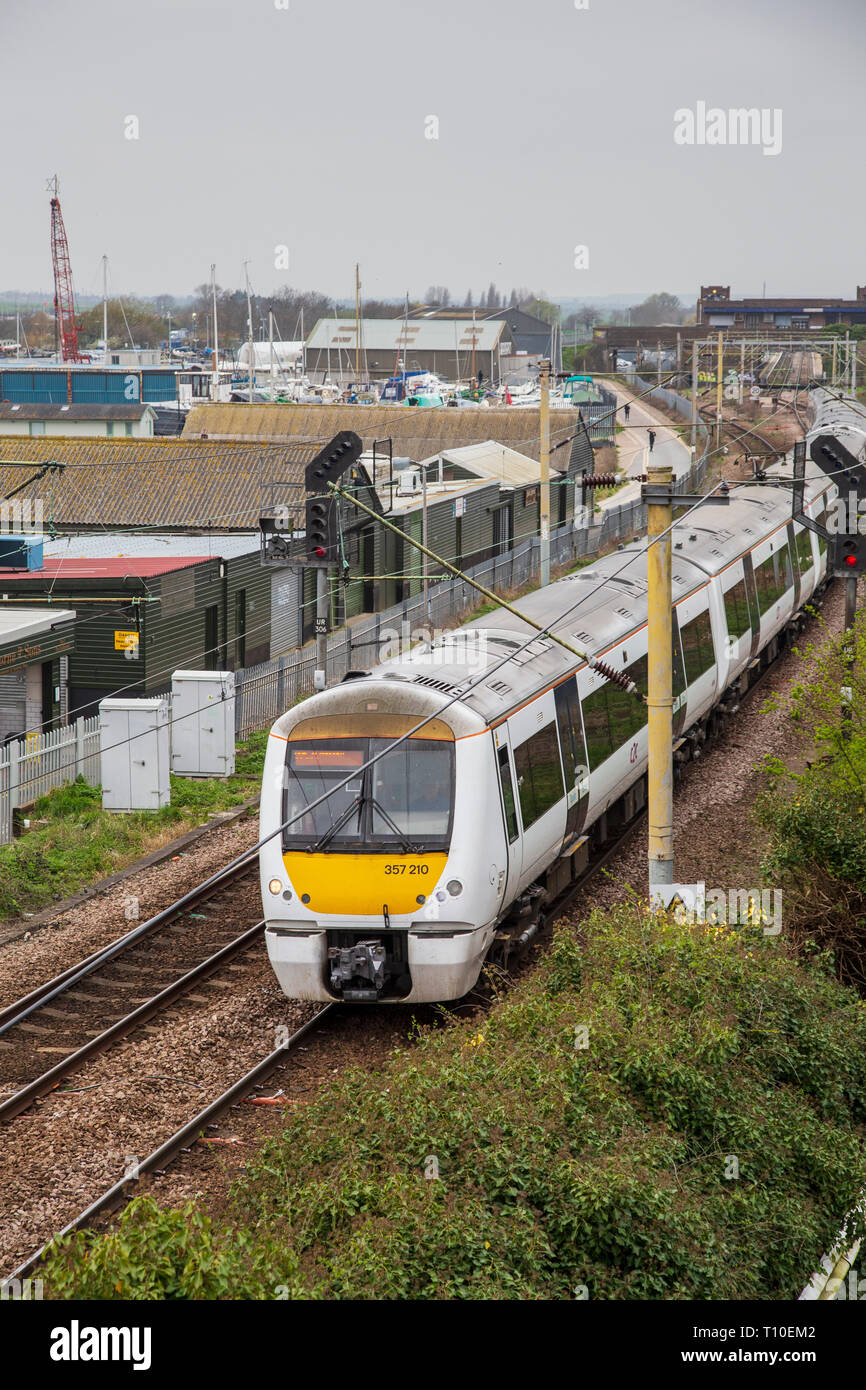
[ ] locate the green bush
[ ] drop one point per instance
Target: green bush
(561, 1167)
(817, 818)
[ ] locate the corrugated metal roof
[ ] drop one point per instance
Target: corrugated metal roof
(39, 410)
(160, 482)
(492, 460)
(150, 544)
(18, 623)
(416, 434)
(395, 335)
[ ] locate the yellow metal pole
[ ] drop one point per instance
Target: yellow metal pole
(719, 368)
(544, 428)
(660, 700)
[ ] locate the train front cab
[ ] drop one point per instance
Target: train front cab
(364, 898)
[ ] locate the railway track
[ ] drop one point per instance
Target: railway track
(86, 1009)
(182, 1139)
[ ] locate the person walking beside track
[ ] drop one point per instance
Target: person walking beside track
(625, 412)
(652, 439)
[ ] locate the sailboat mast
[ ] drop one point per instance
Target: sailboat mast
(249, 329)
(474, 378)
(357, 324)
(216, 349)
(105, 311)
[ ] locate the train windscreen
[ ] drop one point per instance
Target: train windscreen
(404, 801)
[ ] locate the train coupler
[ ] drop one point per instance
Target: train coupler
(358, 972)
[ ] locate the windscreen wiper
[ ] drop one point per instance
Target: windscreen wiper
(407, 845)
(332, 830)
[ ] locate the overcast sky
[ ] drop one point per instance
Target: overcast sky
(261, 127)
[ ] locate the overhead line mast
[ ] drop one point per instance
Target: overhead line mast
(66, 325)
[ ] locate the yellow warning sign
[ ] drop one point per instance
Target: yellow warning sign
(125, 641)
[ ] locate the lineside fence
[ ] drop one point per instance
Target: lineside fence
(33, 766)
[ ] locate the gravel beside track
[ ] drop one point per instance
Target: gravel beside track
(27, 961)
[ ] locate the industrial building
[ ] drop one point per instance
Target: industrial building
(137, 618)
(35, 647)
(717, 310)
(48, 383)
(68, 421)
(454, 348)
(159, 549)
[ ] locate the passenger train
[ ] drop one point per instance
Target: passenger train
(444, 853)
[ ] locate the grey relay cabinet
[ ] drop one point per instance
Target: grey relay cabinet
(203, 723)
(134, 748)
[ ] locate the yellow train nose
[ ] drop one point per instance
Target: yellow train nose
(361, 884)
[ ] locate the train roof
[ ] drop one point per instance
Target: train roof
(594, 608)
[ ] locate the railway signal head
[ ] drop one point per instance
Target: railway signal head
(849, 554)
(321, 528)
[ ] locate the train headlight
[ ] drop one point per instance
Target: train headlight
(455, 887)
(275, 886)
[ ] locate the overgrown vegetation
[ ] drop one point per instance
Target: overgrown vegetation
(817, 817)
(75, 842)
(660, 1111)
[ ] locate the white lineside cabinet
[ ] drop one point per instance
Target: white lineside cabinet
(134, 749)
(203, 723)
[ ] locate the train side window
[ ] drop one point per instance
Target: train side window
(804, 550)
(570, 730)
(698, 650)
(508, 802)
(772, 578)
(677, 657)
(628, 713)
(539, 774)
(597, 725)
(737, 610)
(822, 521)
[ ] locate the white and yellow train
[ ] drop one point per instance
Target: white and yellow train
(445, 851)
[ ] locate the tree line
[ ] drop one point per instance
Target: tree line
(144, 322)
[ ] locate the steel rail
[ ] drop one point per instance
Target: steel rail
(22, 1099)
(181, 1140)
(22, 1008)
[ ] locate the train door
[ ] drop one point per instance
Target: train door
(754, 609)
(508, 798)
(574, 759)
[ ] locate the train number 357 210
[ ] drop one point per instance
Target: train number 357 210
(406, 868)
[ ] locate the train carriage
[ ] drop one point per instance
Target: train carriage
(447, 849)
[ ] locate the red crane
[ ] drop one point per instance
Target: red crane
(66, 326)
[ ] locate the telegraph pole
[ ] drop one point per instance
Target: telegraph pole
(660, 701)
(544, 505)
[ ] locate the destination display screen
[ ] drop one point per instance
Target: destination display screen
(326, 759)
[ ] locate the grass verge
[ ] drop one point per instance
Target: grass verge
(75, 842)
